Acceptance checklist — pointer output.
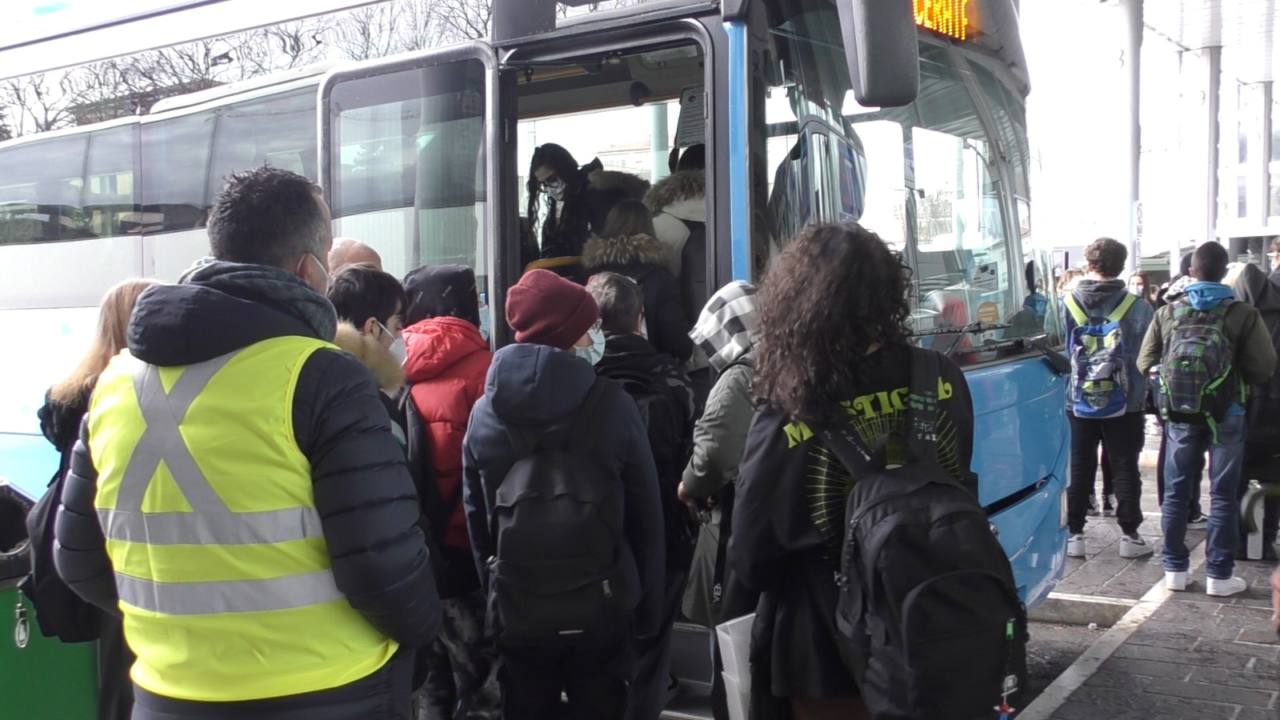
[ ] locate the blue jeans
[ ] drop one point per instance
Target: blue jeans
(1183, 464)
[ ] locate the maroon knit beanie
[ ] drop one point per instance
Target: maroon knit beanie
(545, 309)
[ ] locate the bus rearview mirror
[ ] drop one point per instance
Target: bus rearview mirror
(882, 51)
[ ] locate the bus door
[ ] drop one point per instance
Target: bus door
(621, 99)
(407, 164)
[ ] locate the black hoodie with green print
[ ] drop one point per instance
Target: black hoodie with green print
(788, 519)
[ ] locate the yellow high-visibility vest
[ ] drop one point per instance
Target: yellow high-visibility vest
(207, 506)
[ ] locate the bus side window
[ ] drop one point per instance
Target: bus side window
(40, 191)
(173, 196)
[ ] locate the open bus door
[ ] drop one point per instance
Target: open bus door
(410, 155)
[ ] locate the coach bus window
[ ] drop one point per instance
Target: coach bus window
(175, 155)
(41, 191)
(110, 196)
(279, 130)
(408, 164)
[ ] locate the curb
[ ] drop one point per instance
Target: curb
(1072, 609)
(1075, 676)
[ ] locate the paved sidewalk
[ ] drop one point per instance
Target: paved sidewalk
(1196, 657)
(1175, 655)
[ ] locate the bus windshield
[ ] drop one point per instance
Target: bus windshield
(928, 178)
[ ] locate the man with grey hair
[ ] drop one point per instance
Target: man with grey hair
(275, 564)
(349, 251)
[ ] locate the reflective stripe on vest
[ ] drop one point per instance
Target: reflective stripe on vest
(209, 523)
(208, 508)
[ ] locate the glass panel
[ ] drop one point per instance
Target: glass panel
(40, 191)
(279, 130)
(818, 164)
(175, 155)
(408, 165)
(110, 190)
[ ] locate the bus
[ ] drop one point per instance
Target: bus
(906, 117)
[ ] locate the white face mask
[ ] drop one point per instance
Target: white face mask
(397, 348)
(593, 352)
(555, 189)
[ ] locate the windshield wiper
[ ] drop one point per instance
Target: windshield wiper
(971, 329)
(1040, 343)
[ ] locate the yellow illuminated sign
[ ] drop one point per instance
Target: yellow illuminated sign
(945, 17)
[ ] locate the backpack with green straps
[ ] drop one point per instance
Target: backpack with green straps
(1099, 378)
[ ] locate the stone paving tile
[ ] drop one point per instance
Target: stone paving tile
(1247, 678)
(1212, 692)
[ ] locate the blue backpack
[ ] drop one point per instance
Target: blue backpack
(1099, 378)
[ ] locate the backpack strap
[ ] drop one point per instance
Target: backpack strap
(1122, 308)
(1077, 313)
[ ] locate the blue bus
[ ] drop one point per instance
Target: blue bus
(907, 117)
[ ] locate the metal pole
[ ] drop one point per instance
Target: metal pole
(1133, 80)
(659, 145)
(1267, 120)
(1214, 56)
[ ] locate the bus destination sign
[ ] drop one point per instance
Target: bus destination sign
(945, 17)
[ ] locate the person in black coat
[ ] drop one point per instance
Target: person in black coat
(58, 611)
(535, 389)
(256, 290)
(628, 247)
(834, 350)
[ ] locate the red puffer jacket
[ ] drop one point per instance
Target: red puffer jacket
(445, 366)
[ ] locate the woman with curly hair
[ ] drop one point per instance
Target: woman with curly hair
(834, 350)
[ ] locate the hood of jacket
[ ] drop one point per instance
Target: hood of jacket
(1208, 295)
(1254, 287)
(614, 182)
(370, 352)
(435, 345)
(1099, 297)
(681, 188)
(727, 329)
(535, 383)
(1176, 288)
(221, 307)
(624, 252)
(633, 355)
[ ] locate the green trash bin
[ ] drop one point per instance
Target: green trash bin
(40, 678)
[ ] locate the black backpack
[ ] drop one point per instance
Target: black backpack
(562, 573)
(671, 442)
(60, 611)
(928, 612)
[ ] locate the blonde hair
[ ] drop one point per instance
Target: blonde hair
(108, 341)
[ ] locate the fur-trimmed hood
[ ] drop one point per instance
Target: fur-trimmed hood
(678, 188)
(624, 184)
(620, 252)
(386, 371)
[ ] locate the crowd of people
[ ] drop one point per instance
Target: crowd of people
(1198, 353)
(296, 486)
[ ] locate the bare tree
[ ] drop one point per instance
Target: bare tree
(39, 102)
(465, 19)
(368, 32)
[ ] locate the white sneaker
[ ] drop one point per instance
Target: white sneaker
(1226, 588)
(1133, 546)
(1176, 581)
(1075, 546)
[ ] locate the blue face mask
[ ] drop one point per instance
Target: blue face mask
(595, 351)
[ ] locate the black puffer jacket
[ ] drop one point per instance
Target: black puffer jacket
(645, 260)
(366, 501)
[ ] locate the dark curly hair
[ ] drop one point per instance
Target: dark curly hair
(833, 294)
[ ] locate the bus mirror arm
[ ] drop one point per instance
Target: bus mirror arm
(1056, 360)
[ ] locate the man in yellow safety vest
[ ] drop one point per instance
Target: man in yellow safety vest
(237, 494)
